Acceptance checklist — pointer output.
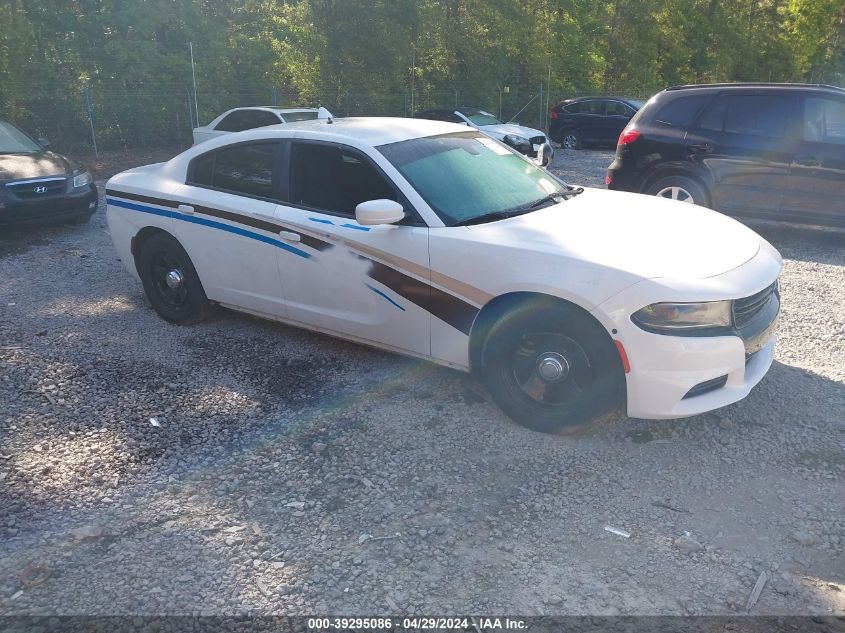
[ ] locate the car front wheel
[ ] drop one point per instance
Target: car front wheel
(551, 367)
(171, 281)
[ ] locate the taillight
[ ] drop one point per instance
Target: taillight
(608, 180)
(628, 136)
(554, 114)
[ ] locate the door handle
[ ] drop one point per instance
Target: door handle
(701, 148)
(289, 236)
(186, 209)
(808, 161)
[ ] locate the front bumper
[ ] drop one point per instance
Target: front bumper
(66, 206)
(679, 376)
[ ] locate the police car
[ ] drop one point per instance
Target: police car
(434, 240)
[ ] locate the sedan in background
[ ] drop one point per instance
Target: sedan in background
(37, 185)
(434, 240)
(576, 123)
(240, 119)
(533, 143)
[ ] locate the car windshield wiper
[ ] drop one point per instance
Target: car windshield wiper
(509, 213)
(488, 217)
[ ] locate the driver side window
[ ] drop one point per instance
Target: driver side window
(334, 180)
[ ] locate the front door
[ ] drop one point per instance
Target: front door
(745, 142)
(365, 282)
(815, 192)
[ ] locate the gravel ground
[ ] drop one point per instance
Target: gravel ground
(291, 473)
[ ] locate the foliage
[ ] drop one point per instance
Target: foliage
(390, 57)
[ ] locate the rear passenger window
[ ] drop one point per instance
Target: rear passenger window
(617, 108)
(714, 118)
(592, 107)
(757, 115)
(824, 121)
(244, 169)
(682, 112)
(573, 108)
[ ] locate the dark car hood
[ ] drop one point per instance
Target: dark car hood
(35, 165)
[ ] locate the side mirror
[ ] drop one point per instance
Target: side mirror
(381, 211)
(44, 142)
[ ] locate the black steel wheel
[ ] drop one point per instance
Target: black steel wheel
(551, 367)
(171, 282)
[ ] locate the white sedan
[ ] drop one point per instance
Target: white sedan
(436, 241)
(240, 119)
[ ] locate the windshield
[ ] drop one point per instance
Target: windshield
(479, 117)
(13, 141)
(637, 103)
(290, 117)
(468, 175)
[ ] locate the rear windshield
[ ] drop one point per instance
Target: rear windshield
(290, 117)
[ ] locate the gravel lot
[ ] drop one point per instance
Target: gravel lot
(292, 473)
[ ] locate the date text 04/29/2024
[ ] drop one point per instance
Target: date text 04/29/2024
(420, 623)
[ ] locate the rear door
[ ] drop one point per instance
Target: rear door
(745, 141)
(591, 120)
(815, 193)
(369, 283)
(226, 225)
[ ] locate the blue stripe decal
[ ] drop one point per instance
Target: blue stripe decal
(356, 227)
(321, 220)
(384, 296)
(210, 223)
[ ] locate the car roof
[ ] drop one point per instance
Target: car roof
(606, 97)
(755, 85)
(372, 131)
(274, 108)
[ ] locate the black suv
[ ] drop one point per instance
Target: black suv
(575, 123)
(765, 151)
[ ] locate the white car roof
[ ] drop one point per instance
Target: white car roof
(371, 131)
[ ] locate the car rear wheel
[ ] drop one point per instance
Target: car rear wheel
(551, 367)
(171, 281)
(570, 139)
(680, 188)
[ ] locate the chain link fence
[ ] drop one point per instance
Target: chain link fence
(89, 120)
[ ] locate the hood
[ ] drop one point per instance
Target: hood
(643, 235)
(500, 130)
(35, 165)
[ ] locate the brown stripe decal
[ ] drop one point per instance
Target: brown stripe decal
(448, 308)
(256, 223)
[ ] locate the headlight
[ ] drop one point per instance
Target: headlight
(517, 142)
(82, 180)
(676, 317)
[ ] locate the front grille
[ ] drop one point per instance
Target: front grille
(537, 140)
(37, 189)
(706, 387)
(745, 309)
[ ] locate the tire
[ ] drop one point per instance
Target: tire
(681, 188)
(552, 338)
(171, 281)
(569, 139)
